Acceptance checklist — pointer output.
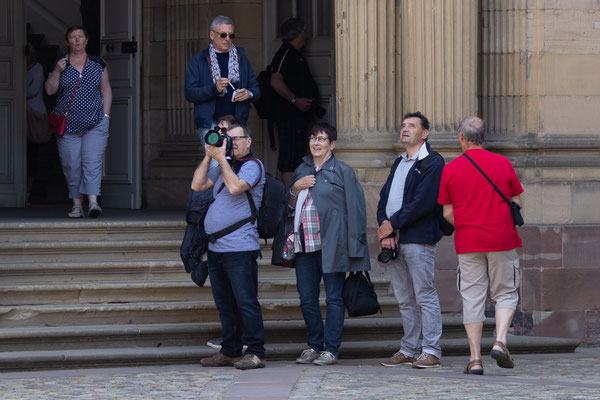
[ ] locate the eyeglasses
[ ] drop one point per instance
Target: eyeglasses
(223, 35)
(236, 138)
(318, 139)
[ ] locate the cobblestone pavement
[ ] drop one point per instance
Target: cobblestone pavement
(535, 376)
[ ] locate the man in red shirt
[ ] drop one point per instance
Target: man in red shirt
(485, 238)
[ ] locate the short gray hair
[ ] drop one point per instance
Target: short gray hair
(245, 129)
(473, 129)
(220, 20)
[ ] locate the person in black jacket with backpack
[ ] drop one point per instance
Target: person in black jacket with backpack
(409, 230)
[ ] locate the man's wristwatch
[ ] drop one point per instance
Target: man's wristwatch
(107, 116)
(251, 94)
(293, 100)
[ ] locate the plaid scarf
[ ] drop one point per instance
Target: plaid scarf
(233, 69)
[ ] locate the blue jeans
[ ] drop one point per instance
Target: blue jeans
(234, 283)
(309, 270)
(412, 280)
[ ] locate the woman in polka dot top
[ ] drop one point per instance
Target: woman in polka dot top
(82, 147)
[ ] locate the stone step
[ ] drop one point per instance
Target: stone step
(197, 334)
(16, 294)
(83, 230)
(116, 270)
(89, 250)
(151, 313)
(135, 356)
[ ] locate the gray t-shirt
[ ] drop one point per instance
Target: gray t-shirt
(226, 210)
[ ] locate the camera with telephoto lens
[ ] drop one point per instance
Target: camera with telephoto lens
(215, 138)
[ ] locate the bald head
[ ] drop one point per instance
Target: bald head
(472, 129)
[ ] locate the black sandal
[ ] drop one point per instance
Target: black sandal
(503, 358)
(469, 369)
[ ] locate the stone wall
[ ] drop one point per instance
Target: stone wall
(175, 30)
(529, 68)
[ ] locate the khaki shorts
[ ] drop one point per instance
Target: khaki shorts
(496, 271)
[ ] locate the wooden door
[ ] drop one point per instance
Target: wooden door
(12, 104)
(119, 35)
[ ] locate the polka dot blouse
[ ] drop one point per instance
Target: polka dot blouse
(87, 108)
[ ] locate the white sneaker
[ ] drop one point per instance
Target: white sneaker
(326, 358)
(308, 356)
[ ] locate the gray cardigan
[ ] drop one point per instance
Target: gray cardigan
(340, 202)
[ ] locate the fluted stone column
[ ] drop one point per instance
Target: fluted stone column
(439, 60)
(368, 63)
(399, 56)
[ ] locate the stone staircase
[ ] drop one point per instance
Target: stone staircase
(112, 291)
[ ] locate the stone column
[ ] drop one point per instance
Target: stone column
(394, 57)
(368, 67)
(439, 60)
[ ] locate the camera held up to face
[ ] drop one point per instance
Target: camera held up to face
(217, 139)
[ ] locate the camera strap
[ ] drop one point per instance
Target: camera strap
(488, 179)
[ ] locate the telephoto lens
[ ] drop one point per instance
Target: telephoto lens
(214, 138)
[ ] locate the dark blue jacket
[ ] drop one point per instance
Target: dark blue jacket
(416, 220)
(201, 90)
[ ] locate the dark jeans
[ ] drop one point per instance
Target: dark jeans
(234, 283)
(309, 270)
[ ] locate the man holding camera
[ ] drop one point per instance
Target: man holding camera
(220, 80)
(408, 232)
(232, 266)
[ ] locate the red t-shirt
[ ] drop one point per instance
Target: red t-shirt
(482, 218)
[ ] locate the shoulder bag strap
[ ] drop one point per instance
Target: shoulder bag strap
(76, 86)
(488, 179)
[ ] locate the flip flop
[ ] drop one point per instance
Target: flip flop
(94, 210)
(503, 358)
(469, 368)
(76, 212)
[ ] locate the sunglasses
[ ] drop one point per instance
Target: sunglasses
(223, 35)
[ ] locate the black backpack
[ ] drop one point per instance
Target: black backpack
(270, 215)
(264, 104)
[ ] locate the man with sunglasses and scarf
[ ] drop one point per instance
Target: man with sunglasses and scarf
(220, 80)
(232, 266)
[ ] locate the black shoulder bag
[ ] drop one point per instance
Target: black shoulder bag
(359, 295)
(515, 209)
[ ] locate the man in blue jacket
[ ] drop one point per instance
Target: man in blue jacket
(407, 219)
(219, 80)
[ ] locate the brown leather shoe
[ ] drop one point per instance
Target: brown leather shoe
(219, 360)
(397, 359)
(474, 371)
(427, 360)
(250, 361)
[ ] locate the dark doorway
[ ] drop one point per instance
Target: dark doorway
(45, 180)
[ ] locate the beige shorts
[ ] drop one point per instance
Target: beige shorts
(496, 271)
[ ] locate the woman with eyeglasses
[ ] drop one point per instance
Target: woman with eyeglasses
(329, 239)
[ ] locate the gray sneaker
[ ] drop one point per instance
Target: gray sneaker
(326, 358)
(308, 356)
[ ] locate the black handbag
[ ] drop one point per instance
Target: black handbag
(515, 209)
(359, 295)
